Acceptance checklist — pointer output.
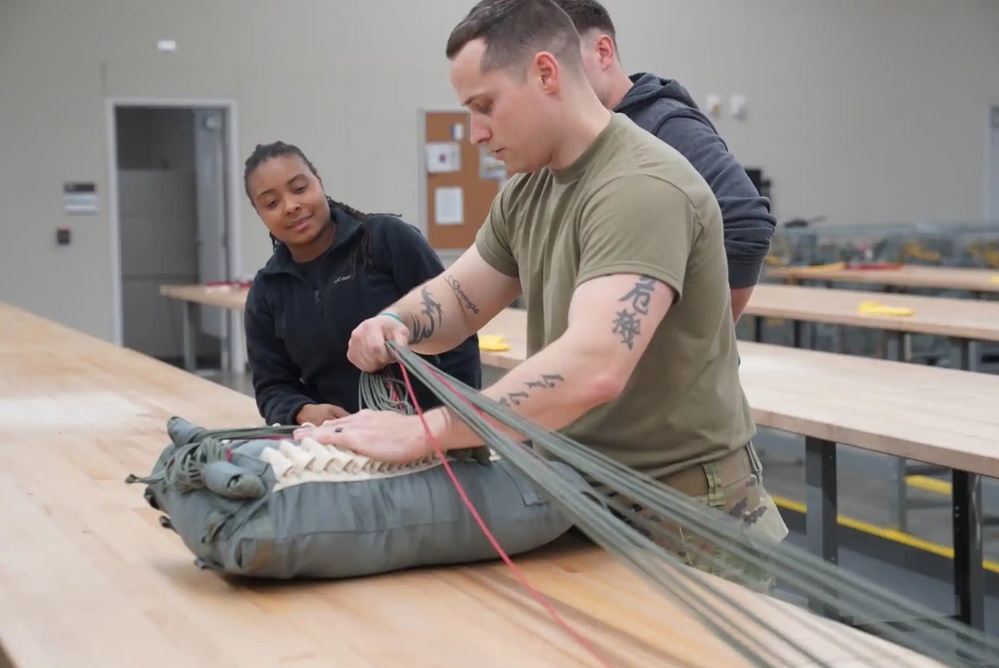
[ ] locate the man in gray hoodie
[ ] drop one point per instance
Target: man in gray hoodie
(665, 108)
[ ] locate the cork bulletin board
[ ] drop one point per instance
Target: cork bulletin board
(459, 180)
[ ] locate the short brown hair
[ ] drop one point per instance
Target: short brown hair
(514, 30)
(589, 15)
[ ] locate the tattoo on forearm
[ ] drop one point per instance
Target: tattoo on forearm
(467, 303)
(545, 382)
(421, 328)
(627, 323)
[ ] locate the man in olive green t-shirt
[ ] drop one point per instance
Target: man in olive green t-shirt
(615, 242)
(631, 211)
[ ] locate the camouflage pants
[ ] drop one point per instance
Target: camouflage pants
(733, 486)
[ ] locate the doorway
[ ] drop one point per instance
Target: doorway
(172, 172)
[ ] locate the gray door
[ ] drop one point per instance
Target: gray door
(156, 219)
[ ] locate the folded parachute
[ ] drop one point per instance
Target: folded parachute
(267, 506)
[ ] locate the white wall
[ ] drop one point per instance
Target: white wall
(862, 110)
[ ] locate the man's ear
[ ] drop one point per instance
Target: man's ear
(547, 69)
(606, 51)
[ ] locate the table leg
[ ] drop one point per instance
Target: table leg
(963, 354)
(895, 350)
(969, 573)
(894, 346)
(821, 506)
(188, 334)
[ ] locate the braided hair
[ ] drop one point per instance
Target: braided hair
(264, 152)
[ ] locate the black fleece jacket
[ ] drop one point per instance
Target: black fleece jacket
(299, 316)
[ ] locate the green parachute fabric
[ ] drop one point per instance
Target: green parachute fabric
(260, 504)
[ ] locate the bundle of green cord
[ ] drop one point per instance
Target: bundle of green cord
(383, 392)
(945, 640)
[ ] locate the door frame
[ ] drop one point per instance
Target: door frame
(991, 210)
(236, 349)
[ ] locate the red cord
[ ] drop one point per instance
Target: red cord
(485, 529)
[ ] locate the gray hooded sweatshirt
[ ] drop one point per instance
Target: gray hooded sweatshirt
(666, 109)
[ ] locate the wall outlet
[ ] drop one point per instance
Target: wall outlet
(738, 105)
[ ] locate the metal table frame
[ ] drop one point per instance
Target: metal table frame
(966, 502)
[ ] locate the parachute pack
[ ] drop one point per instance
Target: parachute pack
(257, 503)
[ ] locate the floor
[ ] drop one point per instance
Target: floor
(866, 489)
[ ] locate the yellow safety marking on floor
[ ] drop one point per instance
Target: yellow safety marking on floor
(893, 535)
(928, 484)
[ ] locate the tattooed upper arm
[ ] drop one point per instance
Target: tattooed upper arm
(423, 325)
(634, 307)
(477, 290)
(463, 299)
(619, 313)
(455, 304)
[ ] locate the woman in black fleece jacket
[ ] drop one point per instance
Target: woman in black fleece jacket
(332, 268)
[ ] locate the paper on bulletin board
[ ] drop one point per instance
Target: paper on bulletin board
(449, 206)
(443, 157)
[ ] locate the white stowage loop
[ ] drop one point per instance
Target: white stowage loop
(321, 457)
(311, 461)
(279, 463)
(300, 457)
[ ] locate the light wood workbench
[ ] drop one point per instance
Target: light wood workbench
(939, 416)
(962, 320)
(965, 322)
(89, 578)
(907, 276)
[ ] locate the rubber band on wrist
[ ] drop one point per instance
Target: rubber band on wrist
(392, 315)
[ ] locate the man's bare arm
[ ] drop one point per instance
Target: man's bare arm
(449, 308)
(611, 321)
(740, 299)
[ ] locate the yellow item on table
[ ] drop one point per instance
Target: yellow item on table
(493, 343)
(824, 267)
(995, 279)
(877, 308)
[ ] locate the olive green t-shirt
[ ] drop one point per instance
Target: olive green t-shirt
(632, 204)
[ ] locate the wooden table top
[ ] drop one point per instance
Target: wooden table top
(941, 316)
(233, 298)
(911, 276)
(931, 414)
(88, 577)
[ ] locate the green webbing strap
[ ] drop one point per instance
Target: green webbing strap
(754, 461)
(248, 433)
(716, 489)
